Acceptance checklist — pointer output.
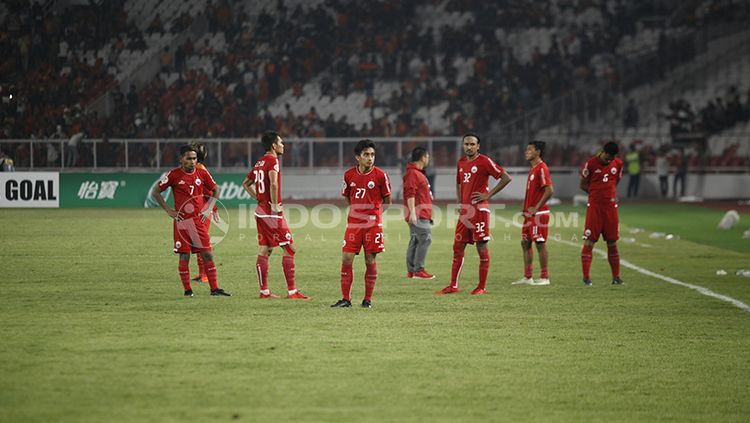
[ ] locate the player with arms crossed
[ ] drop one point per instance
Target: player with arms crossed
(599, 178)
(263, 183)
(365, 188)
(190, 215)
(473, 226)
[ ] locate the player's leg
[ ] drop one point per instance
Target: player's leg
(593, 228)
(202, 277)
(459, 245)
(287, 264)
(611, 234)
(528, 260)
(347, 260)
(484, 268)
(411, 251)
(208, 262)
(539, 236)
(261, 269)
(541, 248)
(613, 256)
(183, 266)
(423, 235)
(371, 276)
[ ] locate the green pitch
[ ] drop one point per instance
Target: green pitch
(95, 328)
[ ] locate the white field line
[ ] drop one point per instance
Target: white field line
(702, 290)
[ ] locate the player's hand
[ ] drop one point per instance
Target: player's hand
(413, 219)
(205, 214)
(174, 214)
(277, 208)
(532, 211)
(478, 197)
(216, 217)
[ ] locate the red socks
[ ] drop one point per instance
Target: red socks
(545, 273)
(201, 265)
(287, 263)
(346, 281)
(261, 269)
(371, 275)
(528, 268)
(614, 260)
(458, 264)
(586, 260)
(484, 267)
(211, 273)
(184, 269)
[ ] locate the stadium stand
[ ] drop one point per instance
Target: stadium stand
(437, 68)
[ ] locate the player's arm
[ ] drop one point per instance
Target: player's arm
(273, 178)
(584, 184)
(458, 193)
(206, 212)
(249, 187)
(156, 194)
(411, 204)
(505, 179)
(548, 190)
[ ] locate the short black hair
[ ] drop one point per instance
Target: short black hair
(360, 147)
(471, 134)
(418, 153)
(540, 146)
(611, 148)
(187, 148)
(201, 151)
(269, 139)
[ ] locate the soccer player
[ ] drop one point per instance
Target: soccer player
(473, 226)
(190, 214)
(418, 213)
(202, 153)
(599, 178)
(536, 214)
(365, 188)
(263, 183)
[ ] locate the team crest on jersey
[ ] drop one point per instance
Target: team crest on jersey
(197, 181)
(473, 169)
(371, 185)
(587, 232)
(177, 245)
(613, 170)
(288, 236)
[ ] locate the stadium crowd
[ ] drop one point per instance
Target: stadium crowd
(224, 83)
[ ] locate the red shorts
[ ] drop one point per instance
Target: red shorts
(191, 236)
(602, 219)
(368, 237)
(473, 225)
(273, 231)
(536, 228)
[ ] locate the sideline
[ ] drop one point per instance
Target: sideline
(700, 289)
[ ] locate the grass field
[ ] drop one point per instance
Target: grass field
(95, 328)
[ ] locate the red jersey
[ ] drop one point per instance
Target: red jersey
(538, 178)
(259, 176)
(416, 186)
(206, 192)
(603, 179)
(365, 192)
(473, 176)
(188, 189)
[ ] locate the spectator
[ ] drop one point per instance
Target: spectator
(71, 152)
(6, 163)
(681, 168)
(633, 162)
(662, 172)
(631, 116)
